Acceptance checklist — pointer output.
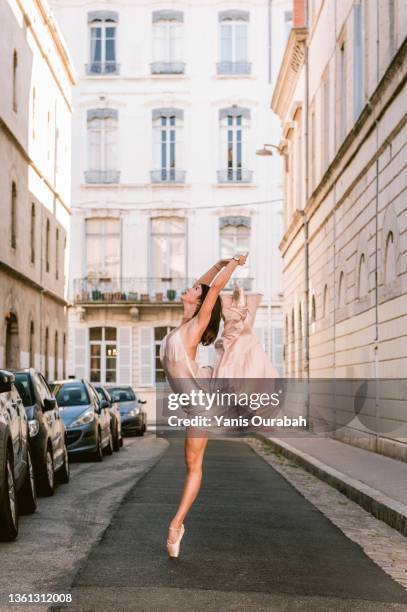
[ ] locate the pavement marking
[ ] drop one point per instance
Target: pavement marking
(384, 545)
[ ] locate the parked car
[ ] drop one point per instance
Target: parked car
(46, 429)
(17, 483)
(86, 418)
(134, 417)
(115, 417)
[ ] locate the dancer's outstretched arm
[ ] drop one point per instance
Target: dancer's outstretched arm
(208, 277)
(220, 282)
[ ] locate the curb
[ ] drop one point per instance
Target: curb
(377, 503)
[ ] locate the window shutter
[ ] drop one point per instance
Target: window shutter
(146, 356)
(124, 369)
(80, 336)
(277, 348)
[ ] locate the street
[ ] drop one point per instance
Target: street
(252, 541)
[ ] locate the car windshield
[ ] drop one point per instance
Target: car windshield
(23, 384)
(72, 394)
(122, 394)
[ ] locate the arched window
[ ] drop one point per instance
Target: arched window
(103, 26)
(292, 343)
(15, 66)
(341, 290)
(167, 146)
(390, 269)
(234, 234)
(102, 126)
(362, 277)
(31, 346)
(64, 357)
(167, 42)
(47, 245)
(103, 247)
(168, 247)
(13, 215)
(32, 234)
(325, 302)
(233, 52)
(57, 254)
(300, 347)
(12, 356)
(234, 125)
(313, 309)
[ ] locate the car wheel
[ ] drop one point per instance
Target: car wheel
(116, 440)
(28, 493)
(8, 503)
(98, 452)
(63, 473)
(109, 447)
(46, 483)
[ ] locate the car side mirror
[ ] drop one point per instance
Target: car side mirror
(104, 404)
(140, 401)
(50, 403)
(6, 381)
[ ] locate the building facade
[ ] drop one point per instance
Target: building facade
(35, 132)
(341, 98)
(171, 104)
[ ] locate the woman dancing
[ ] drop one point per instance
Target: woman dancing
(239, 354)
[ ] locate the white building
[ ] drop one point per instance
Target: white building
(171, 104)
(36, 79)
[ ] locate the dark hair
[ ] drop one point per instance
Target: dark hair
(210, 334)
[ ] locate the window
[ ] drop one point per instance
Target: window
(64, 357)
(167, 128)
(234, 234)
(313, 310)
(325, 302)
(46, 354)
(313, 143)
(392, 27)
(15, 66)
(325, 121)
(233, 42)
(57, 254)
(103, 354)
(167, 42)
(390, 268)
(298, 162)
(358, 59)
(341, 290)
(102, 146)
(33, 109)
(342, 93)
(55, 375)
(31, 346)
(103, 42)
(47, 245)
(234, 123)
(159, 334)
(362, 277)
(32, 234)
(168, 247)
(13, 215)
(103, 248)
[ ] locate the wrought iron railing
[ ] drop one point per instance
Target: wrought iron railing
(234, 68)
(167, 67)
(235, 175)
(167, 175)
(102, 176)
(104, 290)
(106, 68)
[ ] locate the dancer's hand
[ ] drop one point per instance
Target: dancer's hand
(242, 258)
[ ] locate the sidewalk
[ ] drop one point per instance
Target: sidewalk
(375, 482)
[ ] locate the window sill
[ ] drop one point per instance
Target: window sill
(232, 185)
(247, 77)
(169, 185)
(172, 77)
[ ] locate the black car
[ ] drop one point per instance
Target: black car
(115, 417)
(17, 483)
(47, 430)
(86, 418)
(134, 417)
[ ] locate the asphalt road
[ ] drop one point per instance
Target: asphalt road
(252, 543)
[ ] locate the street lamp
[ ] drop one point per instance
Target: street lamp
(266, 150)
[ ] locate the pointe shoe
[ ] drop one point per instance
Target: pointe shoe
(173, 547)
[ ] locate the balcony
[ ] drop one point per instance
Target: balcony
(167, 67)
(103, 68)
(141, 291)
(107, 177)
(235, 175)
(168, 176)
(234, 68)
(130, 290)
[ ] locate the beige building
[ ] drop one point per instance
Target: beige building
(341, 97)
(35, 109)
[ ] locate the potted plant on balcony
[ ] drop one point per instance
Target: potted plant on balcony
(144, 297)
(159, 296)
(132, 296)
(171, 294)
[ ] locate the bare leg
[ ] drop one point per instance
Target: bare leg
(194, 453)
